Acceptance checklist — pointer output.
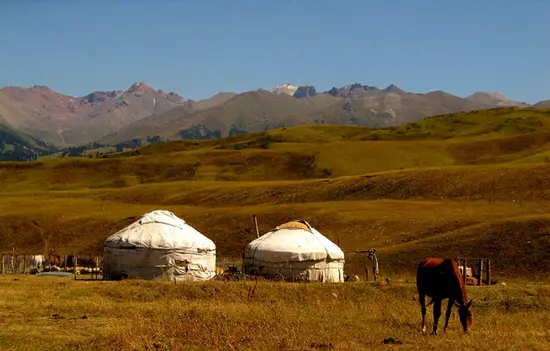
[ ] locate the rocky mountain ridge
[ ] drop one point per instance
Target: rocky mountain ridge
(141, 111)
(66, 120)
(494, 98)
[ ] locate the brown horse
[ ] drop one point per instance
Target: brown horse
(440, 279)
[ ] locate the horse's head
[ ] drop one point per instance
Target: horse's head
(465, 314)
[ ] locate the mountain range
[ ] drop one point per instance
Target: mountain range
(65, 120)
(542, 104)
(38, 116)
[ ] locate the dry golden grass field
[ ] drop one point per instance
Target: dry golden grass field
(52, 313)
(475, 184)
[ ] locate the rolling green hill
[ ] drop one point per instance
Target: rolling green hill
(16, 146)
(471, 184)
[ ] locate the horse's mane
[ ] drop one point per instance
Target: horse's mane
(456, 274)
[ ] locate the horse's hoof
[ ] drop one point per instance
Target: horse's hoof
(434, 333)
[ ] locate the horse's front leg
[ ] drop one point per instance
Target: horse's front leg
(448, 313)
(437, 314)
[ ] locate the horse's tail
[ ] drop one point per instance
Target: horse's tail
(419, 268)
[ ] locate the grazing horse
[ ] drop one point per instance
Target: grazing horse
(440, 279)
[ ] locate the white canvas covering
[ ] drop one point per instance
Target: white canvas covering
(159, 246)
(295, 251)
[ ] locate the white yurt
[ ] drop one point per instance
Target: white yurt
(295, 251)
(159, 246)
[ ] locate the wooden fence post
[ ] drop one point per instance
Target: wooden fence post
(464, 270)
(74, 265)
(480, 272)
(12, 260)
(3, 267)
(24, 264)
(256, 226)
(488, 269)
(366, 273)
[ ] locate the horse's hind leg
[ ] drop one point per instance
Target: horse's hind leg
(448, 313)
(422, 299)
(437, 314)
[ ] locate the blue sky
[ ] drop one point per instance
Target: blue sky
(198, 48)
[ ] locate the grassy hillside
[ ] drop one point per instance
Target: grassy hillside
(499, 136)
(44, 313)
(472, 184)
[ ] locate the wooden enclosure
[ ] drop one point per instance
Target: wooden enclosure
(482, 273)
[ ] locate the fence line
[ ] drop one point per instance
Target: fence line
(31, 263)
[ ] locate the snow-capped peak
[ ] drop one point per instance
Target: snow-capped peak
(285, 88)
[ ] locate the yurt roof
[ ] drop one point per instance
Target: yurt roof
(293, 241)
(159, 229)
